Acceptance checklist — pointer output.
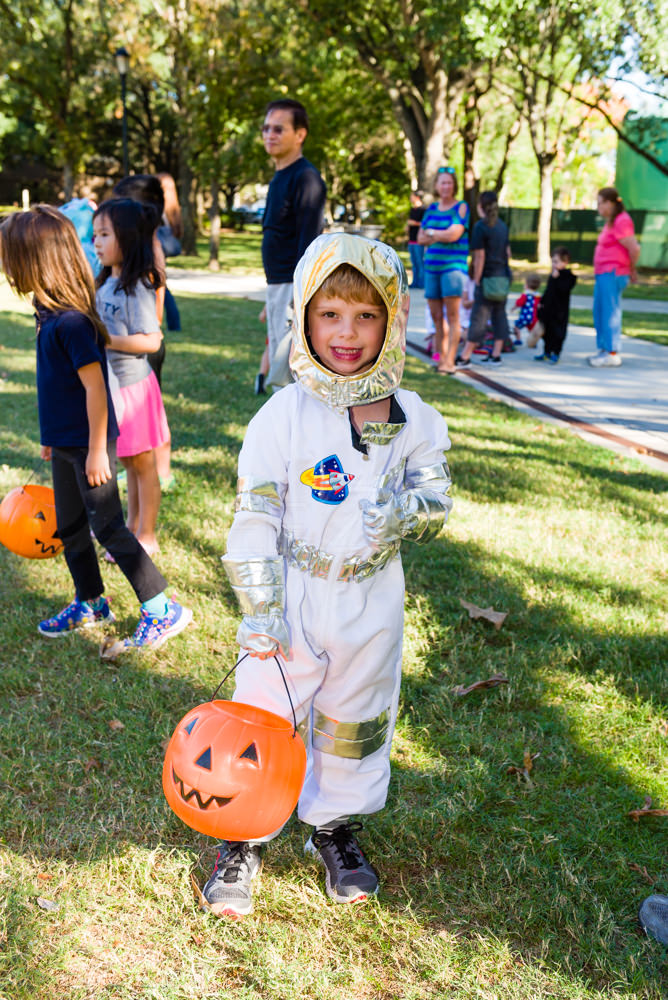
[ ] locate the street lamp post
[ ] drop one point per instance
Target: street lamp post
(123, 65)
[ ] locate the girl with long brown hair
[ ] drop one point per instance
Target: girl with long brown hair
(41, 255)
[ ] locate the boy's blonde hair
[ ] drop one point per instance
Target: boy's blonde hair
(40, 252)
(349, 284)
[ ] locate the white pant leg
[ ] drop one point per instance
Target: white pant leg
(279, 314)
(344, 677)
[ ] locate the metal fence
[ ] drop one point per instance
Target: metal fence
(578, 230)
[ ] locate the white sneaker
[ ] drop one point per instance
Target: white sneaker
(605, 360)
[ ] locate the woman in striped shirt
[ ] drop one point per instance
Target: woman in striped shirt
(444, 234)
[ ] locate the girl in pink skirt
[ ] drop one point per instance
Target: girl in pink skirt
(123, 232)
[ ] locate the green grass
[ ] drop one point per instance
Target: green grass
(239, 253)
(646, 326)
(492, 888)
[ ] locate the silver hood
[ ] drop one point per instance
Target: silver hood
(381, 265)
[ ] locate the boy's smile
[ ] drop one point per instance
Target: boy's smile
(346, 336)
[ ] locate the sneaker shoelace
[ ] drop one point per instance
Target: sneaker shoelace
(233, 861)
(343, 841)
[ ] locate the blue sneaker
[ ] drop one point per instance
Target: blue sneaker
(75, 616)
(152, 632)
(540, 357)
(552, 359)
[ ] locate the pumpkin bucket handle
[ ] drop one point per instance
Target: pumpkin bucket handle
(285, 685)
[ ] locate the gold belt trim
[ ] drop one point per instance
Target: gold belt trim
(354, 740)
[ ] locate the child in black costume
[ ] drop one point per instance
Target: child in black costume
(554, 306)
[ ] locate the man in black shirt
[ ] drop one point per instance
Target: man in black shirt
(294, 214)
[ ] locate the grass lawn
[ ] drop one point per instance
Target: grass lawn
(646, 326)
(494, 887)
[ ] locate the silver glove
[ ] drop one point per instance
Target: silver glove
(385, 523)
(417, 515)
(264, 636)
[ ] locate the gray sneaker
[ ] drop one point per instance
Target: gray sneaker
(228, 892)
(349, 876)
(653, 917)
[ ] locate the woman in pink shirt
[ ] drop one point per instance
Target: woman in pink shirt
(615, 257)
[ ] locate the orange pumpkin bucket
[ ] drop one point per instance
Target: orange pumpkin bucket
(28, 522)
(234, 771)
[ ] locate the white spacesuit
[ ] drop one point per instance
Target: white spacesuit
(313, 553)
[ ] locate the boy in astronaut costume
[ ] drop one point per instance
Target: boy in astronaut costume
(335, 470)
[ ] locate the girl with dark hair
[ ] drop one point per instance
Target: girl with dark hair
(123, 231)
(491, 275)
(151, 189)
(615, 259)
(41, 255)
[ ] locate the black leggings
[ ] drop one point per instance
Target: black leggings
(80, 507)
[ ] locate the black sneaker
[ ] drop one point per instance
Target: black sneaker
(653, 917)
(461, 363)
(490, 359)
(349, 876)
(258, 387)
(228, 892)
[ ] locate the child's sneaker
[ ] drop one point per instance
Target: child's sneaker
(76, 615)
(152, 632)
(228, 892)
(462, 362)
(653, 917)
(540, 357)
(349, 876)
(551, 358)
(491, 360)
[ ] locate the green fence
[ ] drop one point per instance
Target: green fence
(578, 230)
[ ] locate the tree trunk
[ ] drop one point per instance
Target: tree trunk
(513, 132)
(214, 217)
(546, 167)
(189, 239)
(68, 182)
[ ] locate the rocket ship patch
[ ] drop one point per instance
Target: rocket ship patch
(327, 480)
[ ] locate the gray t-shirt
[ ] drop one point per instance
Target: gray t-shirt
(124, 315)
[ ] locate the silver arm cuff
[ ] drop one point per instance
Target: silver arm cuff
(430, 486)
(258, 583)
(429, 512)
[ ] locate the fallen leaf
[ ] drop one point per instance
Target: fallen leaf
(92, 765)
(47, 904)
(642, 871)
(526, 768)
(116, 725)
(197, 939)
(44, 876)
(491, 682)
(646, 810)
(165, 743)
(663, 727)
(497, 618)
(111, 648)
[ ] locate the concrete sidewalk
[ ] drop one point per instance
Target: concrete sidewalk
(622, 408)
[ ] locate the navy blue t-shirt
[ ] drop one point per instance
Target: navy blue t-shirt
(66, 341)
(293, 217)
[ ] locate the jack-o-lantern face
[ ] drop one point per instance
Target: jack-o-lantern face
(233, 771)
(28, 522)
